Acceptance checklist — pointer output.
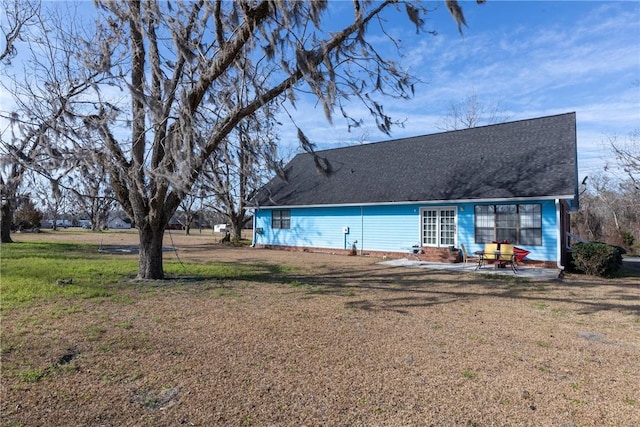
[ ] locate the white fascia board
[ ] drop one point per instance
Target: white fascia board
(422, 202)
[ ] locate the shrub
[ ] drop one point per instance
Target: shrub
(598, 259)
(628, 238)
(27, 216)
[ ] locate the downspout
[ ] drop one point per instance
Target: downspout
(560, 239)
(253, 240)
(361, 230)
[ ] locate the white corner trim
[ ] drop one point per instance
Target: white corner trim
(560, 238)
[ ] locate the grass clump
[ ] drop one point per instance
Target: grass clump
(31, 375)
(469, 374)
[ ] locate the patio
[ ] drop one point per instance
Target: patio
(470, 267)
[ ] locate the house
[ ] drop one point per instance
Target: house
(60, 223)
(220, 228)
(514, 181)
(174, 224)
(118, 223)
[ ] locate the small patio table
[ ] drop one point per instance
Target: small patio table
(482, 257)
(494, 256)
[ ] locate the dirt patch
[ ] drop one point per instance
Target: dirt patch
(336, 341)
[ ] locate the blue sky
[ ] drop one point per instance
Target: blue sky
(534, 58)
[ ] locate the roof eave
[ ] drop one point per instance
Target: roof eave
(422, 202)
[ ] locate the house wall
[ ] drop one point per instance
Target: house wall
(385, 226)
(391, 228)
(546, 252)
(377, 228)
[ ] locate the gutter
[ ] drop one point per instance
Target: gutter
(445, 202)
(361, 230)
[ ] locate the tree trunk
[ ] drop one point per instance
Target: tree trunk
(5, 223)
(151, 253)
(236, 231)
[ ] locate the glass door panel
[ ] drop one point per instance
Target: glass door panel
(439, 227)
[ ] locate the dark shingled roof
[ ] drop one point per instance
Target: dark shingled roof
(522, 159)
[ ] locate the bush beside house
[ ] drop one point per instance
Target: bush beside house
(598, 259)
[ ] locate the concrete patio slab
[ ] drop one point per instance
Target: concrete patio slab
(525, 272)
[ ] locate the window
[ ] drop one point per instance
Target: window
(518, 224)
(439, 227)
(281, 218)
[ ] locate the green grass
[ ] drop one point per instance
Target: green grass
(31, 375)
(469, 374)
(30, 272)
(540, 305)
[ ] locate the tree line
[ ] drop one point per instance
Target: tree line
(610, 200)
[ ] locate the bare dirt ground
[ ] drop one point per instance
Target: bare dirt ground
(336, 341)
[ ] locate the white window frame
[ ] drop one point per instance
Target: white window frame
(439, 241)
(523, 218)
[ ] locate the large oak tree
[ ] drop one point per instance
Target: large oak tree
(161, 77)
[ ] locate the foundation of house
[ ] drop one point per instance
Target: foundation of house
(425, 254)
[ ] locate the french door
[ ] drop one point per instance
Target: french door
(438, 227)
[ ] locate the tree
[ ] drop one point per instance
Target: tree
(242, 165)
(471, 113)
(609, 212)
(247, 156)
(51, 196)
(19, 16)
(160, 70)
(11, 173)
(51, 80)
(188, 214)
(627, 154)
(587, 222)
(91, 194)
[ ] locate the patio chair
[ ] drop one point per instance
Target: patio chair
(490, 251)
(465, 255)
(489, 254)
(507, 256)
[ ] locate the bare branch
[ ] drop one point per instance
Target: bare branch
(19, 15)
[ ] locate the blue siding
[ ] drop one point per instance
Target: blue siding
(550, 226)
(550, 230)
(466, 231)
(393, 228)
(377, 228)
(313, 227)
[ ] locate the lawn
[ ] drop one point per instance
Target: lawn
(241, 336)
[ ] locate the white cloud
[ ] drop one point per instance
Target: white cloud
(585, 63)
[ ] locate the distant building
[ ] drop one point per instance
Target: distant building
(174, 224)
(62, 223)
(84, 223)
(220, 228)
(119, 223)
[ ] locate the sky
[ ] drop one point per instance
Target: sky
(532, 58)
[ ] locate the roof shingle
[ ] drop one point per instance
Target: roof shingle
(521, 159)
